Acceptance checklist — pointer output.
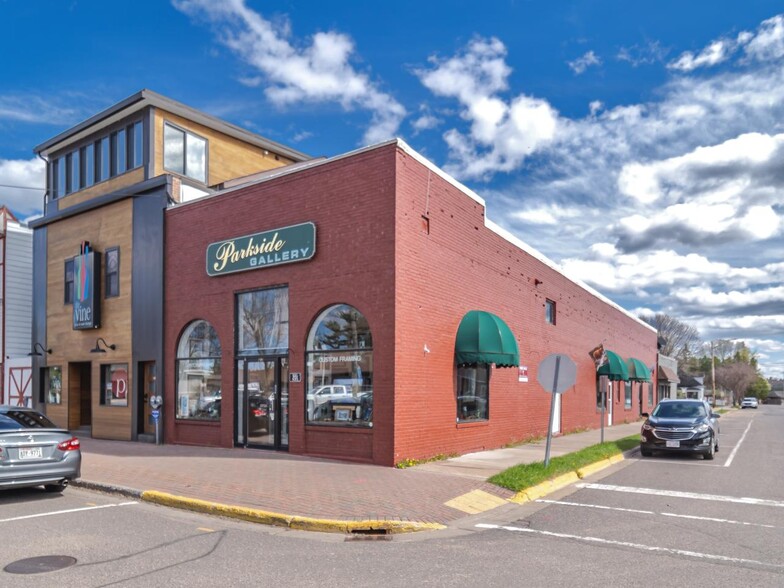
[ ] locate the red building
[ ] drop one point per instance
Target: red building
(316, 308)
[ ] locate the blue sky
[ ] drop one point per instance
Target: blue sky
(640, 145)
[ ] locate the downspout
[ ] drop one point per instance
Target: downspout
(4, 241)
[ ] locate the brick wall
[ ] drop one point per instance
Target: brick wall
(414, 283)
(351, 202)
(457, 265)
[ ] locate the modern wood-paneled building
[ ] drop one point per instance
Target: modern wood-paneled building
(98, 251)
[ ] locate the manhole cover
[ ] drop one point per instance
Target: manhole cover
(39, 565)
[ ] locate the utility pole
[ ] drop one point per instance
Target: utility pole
(713, 374)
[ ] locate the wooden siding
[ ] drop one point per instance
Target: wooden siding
(106, 227)
(129, 178)
(227, 157)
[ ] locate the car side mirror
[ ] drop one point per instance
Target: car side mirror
(715, 415)
(646, 415)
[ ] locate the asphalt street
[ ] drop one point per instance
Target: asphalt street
(646, 521)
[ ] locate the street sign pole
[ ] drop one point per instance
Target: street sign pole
(552, 412)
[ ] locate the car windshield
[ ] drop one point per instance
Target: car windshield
(679, 410)
(24, 419)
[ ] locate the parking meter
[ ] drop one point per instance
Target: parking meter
(156, 401)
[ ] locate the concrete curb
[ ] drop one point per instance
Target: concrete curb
(281, 520)
(549, 486)
(109, 488)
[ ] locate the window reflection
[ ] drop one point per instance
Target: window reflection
(339, 364)
(199, 373)
(263, 322)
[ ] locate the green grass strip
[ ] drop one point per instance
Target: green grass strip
(525, 475)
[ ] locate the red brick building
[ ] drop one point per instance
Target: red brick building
(325, 320)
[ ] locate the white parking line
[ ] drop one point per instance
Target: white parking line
(653, 548)
(676, 494)
(58, 512)
(735, 450)
(650, 512)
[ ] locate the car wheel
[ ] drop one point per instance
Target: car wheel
(711, 450)
(645, 452)
(56, 487)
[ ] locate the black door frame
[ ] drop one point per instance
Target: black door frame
(241, 377)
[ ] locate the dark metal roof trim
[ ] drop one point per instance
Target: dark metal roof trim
(149, 98)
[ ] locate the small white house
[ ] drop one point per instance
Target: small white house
(16, 308)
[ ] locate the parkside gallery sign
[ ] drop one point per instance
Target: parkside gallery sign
(275, 247)
(87, 288)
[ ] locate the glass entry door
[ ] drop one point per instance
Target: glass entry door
(263, 402)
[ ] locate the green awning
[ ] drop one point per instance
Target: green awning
(637, 371)
(615, 368)
(483, 338)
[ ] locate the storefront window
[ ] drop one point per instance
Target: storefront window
(473, 392)
(199, 373)
(114, 384)
(53, 385)
(339, 364)
(627, 399)
(263, 322)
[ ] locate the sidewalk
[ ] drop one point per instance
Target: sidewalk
(322, 491)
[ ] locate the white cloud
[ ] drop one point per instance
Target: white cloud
(319, 72)
(707, 298)
(715, 53)
(502, 133)
(17, 177)
(766, 44)
(643, 54)
(607, 269)
(579, 65)
(34, 109)
(550, 214)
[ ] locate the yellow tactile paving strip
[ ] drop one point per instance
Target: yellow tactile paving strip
(475, 502)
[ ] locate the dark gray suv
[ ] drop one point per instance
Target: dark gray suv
(683, 425)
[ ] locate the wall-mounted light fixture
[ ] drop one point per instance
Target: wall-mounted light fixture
(38, 350)
(97, 348)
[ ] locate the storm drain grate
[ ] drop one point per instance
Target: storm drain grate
(40, 565)
(369, 535)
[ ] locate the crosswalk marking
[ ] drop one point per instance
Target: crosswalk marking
(650, 512)
(677, 494)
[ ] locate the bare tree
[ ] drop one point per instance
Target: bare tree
(677, 339)
(736, 377)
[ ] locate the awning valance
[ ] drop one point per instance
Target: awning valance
(667, 374)
(615, 368)
(638, 372)
(483, 338)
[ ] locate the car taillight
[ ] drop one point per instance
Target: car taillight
(69, 445)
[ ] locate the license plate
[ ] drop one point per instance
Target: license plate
(673, 443)
(31, 453)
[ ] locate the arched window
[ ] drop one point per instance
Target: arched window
(199, 373)
(339, 368)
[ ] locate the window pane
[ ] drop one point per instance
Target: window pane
(138, 146)
(121, 153)
(196, 166)
(263, 321)
(114, 384)
(199, 389)
(627, 399)
(69, 281)
(340, 387)
(75, 169)
(340, 327)
(173, 149)
(112, 286)
(472, 392)
(105, 159)
(53, 384)
(89, 165)
(199, 340)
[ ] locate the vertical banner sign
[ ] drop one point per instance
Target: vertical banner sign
(87, 289)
